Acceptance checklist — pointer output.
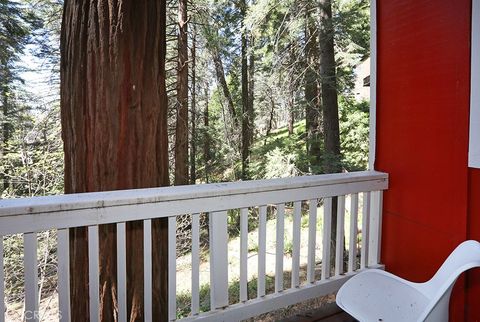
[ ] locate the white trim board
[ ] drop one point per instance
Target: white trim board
(373, 85)
(474, 135)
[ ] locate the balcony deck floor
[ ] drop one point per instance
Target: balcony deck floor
(329, 313)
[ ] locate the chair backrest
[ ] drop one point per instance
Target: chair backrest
(438, 288)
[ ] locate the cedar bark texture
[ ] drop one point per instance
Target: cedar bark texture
(114, 128)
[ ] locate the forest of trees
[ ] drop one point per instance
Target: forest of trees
(228, 90)
(238, 73)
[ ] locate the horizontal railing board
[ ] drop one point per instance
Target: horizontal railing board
(38, 216)
(79, 201)
(255, 307)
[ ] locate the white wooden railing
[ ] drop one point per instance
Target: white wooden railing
(33, 215)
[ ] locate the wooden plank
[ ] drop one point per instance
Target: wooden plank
(365, 230)
(327, 231)
(352, 249)
(340, 235)
(243, 254)
(312, 239)
(279, 247)
(2, 283)
(63, 253)
(115, 214)
(262, 250)
(172, 269)
(218, 260)
(297, 217)
(31, 277)
(106, 199)
(93, 273)
(122, 272)
(195, 264)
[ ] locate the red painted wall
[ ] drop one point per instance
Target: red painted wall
(423, 93)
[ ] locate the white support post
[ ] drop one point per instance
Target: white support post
(474, 128)
(297, 217)
(31, 277)
(63, 251)
(172, 268)
(218, 260)
(365, 230)
(340, 235)
(122, 272)
(195, 264)
(243, 254)
(2, 284)
(280, 231)
(375, 233)
(93, 273)
(262, 250)
(352, 247)
(373, 85)
(312, 239)
(327, 236)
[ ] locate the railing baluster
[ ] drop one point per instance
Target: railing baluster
(243, 254)
(63, 251)
(172, 268)
(195, 264)
(31, 277)
(2, 285)
(327, 231)
(122, 272)
(218, 260)
(365, 229)
(312, 240)
(147, 268)
(262, 250)
(352, 247)
(297, 216)
(340, 235)
(375, 234)
(93, 274)
(279, 247)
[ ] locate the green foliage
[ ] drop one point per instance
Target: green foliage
(354, 134)
(33, 156)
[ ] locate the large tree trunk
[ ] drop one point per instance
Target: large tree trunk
(331, 126)
(312, 91)
(193, 104)
(181, 132)
(206, 138)
(114, 128)
(219, 71)
(245, 97)
(329, 89)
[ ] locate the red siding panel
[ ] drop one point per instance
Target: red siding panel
(422, 132)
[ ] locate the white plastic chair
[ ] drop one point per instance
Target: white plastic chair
(375, 295)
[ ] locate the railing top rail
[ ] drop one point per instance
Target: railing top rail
(78, 201)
